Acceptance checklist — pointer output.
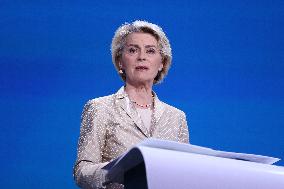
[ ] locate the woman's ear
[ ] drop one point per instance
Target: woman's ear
(161, 67)
(120, 70)
(119, 64)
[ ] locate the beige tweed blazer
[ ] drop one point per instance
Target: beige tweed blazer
(110, 126)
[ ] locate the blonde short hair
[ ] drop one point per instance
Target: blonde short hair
(119, 41)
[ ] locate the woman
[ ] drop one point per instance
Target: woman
(112, 124)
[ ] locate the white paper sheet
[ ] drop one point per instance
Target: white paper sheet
(174, 165)
(182, 147)
(171, 145)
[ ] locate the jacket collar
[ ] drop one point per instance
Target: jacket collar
(123, 101)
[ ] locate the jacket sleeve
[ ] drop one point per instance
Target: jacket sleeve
(87, 170)
(183, 135)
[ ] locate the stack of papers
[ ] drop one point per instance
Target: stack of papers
(189, 148)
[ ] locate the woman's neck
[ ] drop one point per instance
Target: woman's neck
(141, 94)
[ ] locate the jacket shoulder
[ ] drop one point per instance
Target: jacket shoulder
(99, 102)
(171, 108)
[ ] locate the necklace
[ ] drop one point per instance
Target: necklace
(144, 106)
(141, 105)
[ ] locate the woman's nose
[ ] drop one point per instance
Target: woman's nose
(142, 55)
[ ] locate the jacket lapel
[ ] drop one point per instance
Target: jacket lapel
(159, 109)
(123, 101)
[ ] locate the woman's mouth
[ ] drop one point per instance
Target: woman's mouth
(141, 68)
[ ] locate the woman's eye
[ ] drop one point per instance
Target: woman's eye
(151, 51)
(132, 50)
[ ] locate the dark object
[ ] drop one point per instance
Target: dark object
(135, 178)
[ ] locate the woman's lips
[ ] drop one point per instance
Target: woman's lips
(140, 68)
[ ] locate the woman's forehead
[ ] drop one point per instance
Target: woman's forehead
(141, 39)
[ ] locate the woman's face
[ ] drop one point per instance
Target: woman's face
(141, 59)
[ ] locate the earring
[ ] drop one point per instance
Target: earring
(120, 71)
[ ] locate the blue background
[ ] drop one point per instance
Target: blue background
(227, 75)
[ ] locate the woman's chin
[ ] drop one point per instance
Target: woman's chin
(142, 80)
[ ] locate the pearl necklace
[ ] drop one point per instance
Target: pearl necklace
(144, 106)
(141, 105)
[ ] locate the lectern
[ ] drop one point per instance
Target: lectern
(157, 164)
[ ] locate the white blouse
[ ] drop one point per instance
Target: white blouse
(146, 116)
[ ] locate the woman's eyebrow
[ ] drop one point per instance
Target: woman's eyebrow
(134, 45)
(148, 46)
(137, 46)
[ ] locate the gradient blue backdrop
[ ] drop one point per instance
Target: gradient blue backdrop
(227, 75)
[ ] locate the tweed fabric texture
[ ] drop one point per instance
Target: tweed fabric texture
(110, 126)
